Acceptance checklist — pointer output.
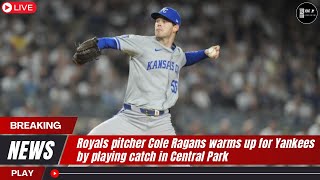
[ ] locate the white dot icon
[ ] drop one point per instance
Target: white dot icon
(6, 7)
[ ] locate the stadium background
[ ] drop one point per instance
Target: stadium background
(266, 81)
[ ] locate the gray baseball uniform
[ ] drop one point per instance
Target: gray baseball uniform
(151, 91)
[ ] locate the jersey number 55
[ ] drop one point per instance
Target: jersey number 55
(174, 86)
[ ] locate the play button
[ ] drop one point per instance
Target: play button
(6, 7)
(54, 173)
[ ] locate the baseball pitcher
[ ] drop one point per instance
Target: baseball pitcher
(155, 63)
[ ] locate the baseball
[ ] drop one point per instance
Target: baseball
(211, 51)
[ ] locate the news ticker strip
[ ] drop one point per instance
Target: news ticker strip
(192, 150)
(159, 150)
(62, 148)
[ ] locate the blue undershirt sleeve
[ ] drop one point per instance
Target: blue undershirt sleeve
(107, 43)
(194, 57)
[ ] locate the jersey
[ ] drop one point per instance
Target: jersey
(153, 71)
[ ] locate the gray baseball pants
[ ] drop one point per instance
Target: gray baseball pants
(130, 122)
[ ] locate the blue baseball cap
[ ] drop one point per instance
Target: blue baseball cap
(168, 13)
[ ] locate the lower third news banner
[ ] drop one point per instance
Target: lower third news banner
(27, 152)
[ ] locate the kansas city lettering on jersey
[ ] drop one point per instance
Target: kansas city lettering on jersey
(163, 64)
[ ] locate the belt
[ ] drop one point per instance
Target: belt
(148, 112)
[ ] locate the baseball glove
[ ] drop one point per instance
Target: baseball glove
(86, 52)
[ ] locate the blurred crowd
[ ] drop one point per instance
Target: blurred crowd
(266, 80)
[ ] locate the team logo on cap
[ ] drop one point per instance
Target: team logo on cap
(164, 10)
